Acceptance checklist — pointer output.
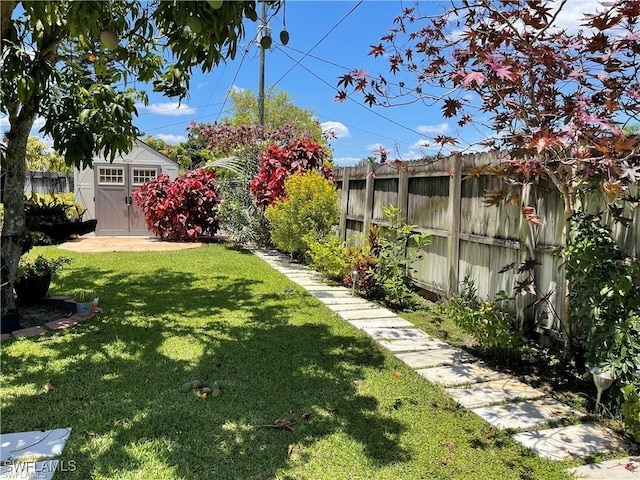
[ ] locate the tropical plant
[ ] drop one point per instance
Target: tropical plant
(183, 209)
(278, 164)
(83, 67)
(41, 266)
(309, 209)
(239, 215)
(490, 322)
(396, 249)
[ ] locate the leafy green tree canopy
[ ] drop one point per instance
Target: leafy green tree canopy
(279, 111)
(83, 65)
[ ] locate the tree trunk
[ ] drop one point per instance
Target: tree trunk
(13, 234)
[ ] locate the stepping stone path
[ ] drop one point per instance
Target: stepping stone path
(500, 399)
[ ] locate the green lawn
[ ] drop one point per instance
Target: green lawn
(217, 313)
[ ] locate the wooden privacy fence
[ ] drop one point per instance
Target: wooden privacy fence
(469, 240)
(46, 182)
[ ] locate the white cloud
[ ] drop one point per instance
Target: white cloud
(169, 108)
(572, 15)
(339, 130)
(202, 85)
(427, 129)
(346, 161)
(171, 139)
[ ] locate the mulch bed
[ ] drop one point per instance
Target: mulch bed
(37, 314)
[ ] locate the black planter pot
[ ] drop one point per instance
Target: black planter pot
(32, 289)
(10, 321)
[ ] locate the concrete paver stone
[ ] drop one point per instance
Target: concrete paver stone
(627, 468)
(395, 333)
(497, 391)
(435, 357)
(451, 375)
(574, 441)
(331, 294)
(525, 415)
(328, 288)
(341, 307)
(428, 343)
(343, 300)
(395, 322)
(368, 314)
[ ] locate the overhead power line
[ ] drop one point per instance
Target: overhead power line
(318, 42)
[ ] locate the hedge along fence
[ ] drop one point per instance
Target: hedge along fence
(470, 239)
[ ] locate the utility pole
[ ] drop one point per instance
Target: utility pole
(263, 30)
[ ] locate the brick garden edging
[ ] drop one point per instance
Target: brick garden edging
(52, 326)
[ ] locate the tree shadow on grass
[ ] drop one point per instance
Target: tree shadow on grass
(117, 380)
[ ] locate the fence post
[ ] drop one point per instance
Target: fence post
(344, 202)
(403, 193)
(368, 199)
(455, 200)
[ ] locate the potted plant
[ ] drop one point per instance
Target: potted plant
(34, 277)
(84, 300)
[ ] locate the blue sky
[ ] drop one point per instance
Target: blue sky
(337, 36)
(345, 31)
(350, 28)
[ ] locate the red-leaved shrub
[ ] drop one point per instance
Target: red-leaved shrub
(277, 164)
(184, 209)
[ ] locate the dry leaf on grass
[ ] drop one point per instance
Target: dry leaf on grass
(284, 422)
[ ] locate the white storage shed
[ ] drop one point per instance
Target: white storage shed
(106, 189)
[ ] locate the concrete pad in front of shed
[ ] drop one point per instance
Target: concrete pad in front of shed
(497, 391)
(627, 468)
(451, 375)
(413, 345)
(32, 445)
(367, 314)
(435, 357)
(395, 333)
(393, 322)
(525, 415)
(575, 441)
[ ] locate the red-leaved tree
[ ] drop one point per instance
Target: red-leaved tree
(277, 164)
(183, 209)
(553, 100)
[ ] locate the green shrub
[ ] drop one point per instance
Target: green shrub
(328, 255)
(631, 410)
(490, 323)
(395, 250)
(604, 298)
(309, 209)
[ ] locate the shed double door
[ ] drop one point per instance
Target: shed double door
(116, 211)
